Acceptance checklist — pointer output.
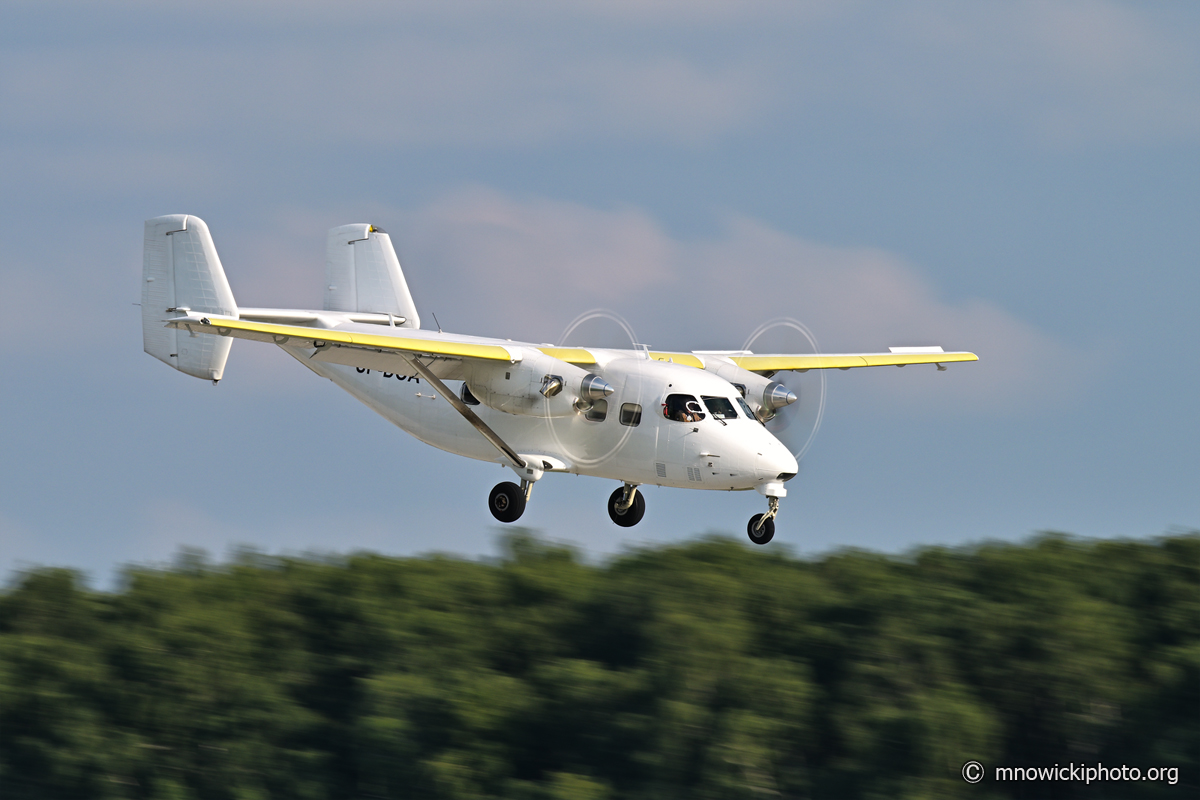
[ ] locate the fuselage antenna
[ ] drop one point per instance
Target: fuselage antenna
(435, 319)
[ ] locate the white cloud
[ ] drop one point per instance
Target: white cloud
(544, 252)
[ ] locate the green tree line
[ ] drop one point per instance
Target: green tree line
(703, 670)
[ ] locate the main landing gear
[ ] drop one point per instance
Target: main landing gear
(761, 528)
(626, 506)
(507, 500)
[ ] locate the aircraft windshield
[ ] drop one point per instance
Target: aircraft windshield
(682, 408)
(720, 407)
(749, 412)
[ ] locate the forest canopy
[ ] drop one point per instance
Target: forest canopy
(702, 670)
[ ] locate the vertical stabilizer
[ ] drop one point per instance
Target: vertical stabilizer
(181, 270)
(363, 274)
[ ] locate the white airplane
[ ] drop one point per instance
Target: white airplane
(688, 420)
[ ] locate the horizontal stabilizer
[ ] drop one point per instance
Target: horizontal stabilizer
(299, 316)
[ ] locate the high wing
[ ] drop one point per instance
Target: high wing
(377, 350)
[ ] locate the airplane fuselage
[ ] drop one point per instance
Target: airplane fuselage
(642, 434)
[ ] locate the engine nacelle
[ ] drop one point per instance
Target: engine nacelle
(538, 385)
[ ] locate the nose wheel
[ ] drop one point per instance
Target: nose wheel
(626, 506)
(761, 528)
(507, 502)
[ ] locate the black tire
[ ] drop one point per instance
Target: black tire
(630, 516)
(507, 502)
(763, 535)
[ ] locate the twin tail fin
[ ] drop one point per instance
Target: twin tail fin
(182, 275)
(181, 272)
(363, 274)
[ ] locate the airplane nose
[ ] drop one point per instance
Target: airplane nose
(785, 464)
(777, 464)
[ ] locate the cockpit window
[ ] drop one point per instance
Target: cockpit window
(682, 408)
(720, 407)
(749, 412)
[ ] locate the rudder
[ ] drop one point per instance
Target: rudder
(181, 270)
(363, 274)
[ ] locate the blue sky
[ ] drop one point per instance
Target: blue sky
(1017, 179)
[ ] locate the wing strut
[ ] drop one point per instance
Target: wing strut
(462, 408)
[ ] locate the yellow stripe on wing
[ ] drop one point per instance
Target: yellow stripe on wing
(571, 355)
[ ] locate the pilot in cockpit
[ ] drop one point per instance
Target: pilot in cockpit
(682, 408)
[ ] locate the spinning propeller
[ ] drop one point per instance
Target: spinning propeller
(793, 423)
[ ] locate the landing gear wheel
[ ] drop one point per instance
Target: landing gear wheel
(764, 534)
(507, 502)
(630, 516)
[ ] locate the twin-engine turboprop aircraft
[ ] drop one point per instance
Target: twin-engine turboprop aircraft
(688, 420)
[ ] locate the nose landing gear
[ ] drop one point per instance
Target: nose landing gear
(761, 528)
(626, 506)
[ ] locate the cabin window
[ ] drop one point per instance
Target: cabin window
(597, 411)
(720, 408)
(467, 397)
(682, 408)
(749, 412)
(631, 414)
